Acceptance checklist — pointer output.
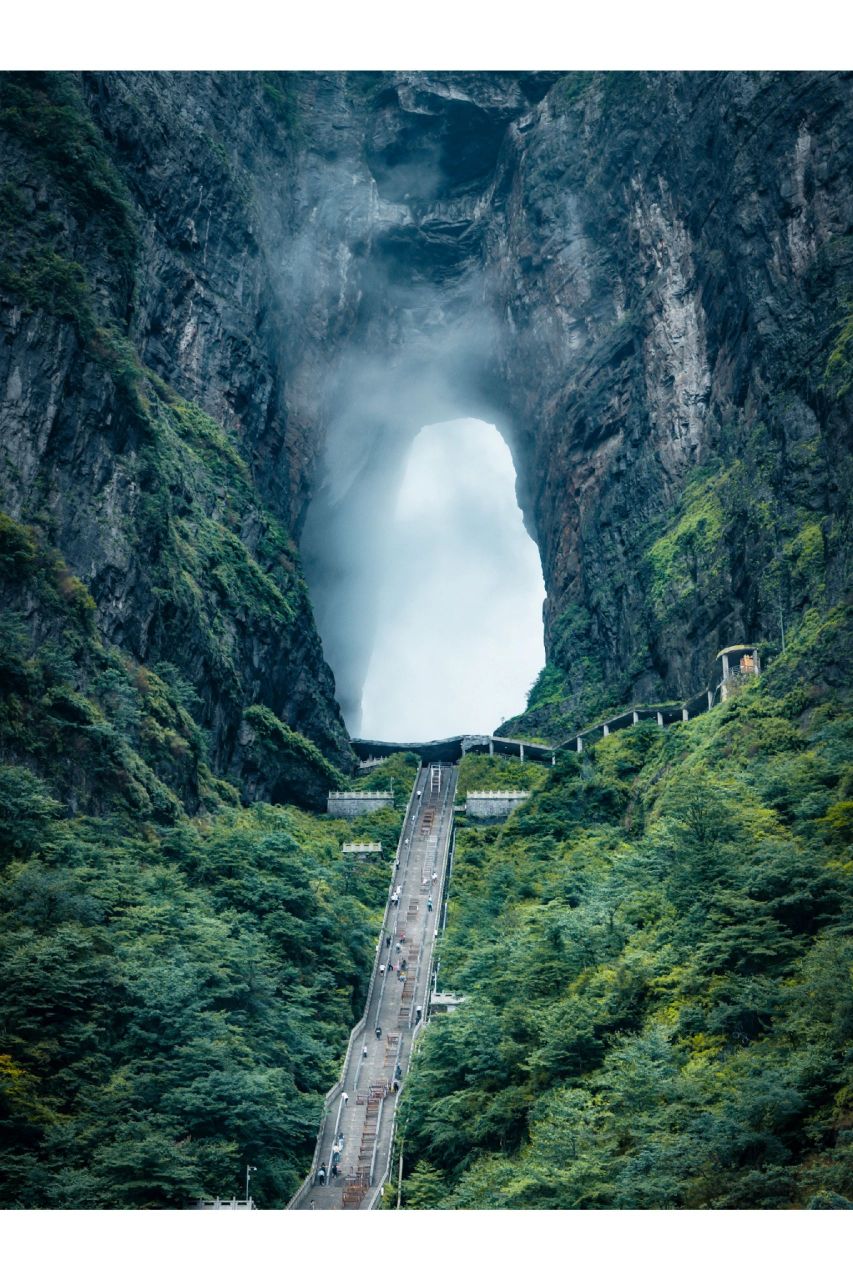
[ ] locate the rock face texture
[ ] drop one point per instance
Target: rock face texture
(146, 432)
(642, 279)
(678, 248)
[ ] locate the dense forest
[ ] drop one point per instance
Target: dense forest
(176, 992)
(656, 956)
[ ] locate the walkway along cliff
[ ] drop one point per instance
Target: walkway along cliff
(737, 662)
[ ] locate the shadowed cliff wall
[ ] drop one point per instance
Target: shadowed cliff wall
(643, 279)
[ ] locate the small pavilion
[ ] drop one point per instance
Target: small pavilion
(739, 662)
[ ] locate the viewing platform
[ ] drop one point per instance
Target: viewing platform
(444, 1002)
(493, 804)
(739, 662)
(361, 850)
(349, 804)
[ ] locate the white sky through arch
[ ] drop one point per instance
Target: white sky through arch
(459, 636)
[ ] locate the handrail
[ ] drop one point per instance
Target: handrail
(673, 704)
(375, 1140)
(361, 795)
(478, 741)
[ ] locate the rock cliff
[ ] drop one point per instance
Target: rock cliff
(230, 300)
(146, 433)
(677, 246)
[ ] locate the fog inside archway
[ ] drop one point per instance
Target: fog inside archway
(458, 638)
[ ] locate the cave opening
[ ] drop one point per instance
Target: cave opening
(427, 587)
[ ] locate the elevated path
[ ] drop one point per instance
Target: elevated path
(357, 1127)
(663, 713)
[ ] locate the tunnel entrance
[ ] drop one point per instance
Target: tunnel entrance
(451, 581)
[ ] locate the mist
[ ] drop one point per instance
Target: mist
(379, 398)
(426, 589)
(458, 622)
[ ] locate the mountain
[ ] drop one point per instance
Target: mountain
(228, 303)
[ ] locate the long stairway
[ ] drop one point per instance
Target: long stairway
(353, 1152)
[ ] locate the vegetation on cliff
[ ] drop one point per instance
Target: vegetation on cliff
(655, 954)
(44, 113)
(189, 566)
(751, 525)
(179, 971)
(655, 949)
(176, 992)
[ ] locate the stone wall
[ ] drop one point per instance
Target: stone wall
(493, 804)
(349, 804)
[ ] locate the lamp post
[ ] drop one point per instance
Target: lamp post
(250, 1169)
